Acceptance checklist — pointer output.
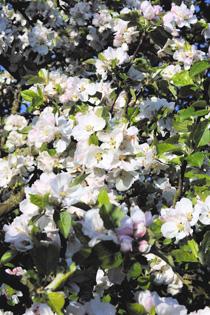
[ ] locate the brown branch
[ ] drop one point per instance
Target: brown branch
(139, 45)
(179, 192)
(16, 102)
(12, 202)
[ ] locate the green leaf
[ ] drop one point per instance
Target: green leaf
(136, 309)
(43, 74)
(196, 159)
(101, 57)
(182, 125)
(182, 78)
(103, 198)
(199, 67)
(134, 271)
(56, 301)
(106, 298)
(152, 311)
(133, 94)
(93, 139)
(65, 223)
(132, 113)
(201, 135)
(78, 180)
(199, 104)
(25, 130)
(28, 95)
(155, 228)
(205, 249)
(187, 252)
(40, 201)
(61, 278)
(167, 241)
(195, 175)
(190, 112)
(144, 281)
(7, 257)
(33, 79)
(186, 113)
(108, 255)
(202, 191)
(166, 147)
(36, 99)
(111, 216)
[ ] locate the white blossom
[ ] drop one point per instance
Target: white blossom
(39, 309)
(18, 233)
(203, 209)
(87, 124)
(93, 227)
(15, 122)
(110, 57)
(41, 39)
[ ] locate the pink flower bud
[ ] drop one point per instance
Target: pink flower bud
(18, 271)
(140, 230)
(144, 246)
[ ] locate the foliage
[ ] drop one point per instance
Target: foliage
(104, 157)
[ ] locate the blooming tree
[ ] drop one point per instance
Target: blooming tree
(104, 157)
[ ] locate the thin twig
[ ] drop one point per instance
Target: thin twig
(139, 45)
(179, 192)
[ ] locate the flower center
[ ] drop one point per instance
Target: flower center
(180, 227)
(99, 156)
(113, 142)
(89, 128)
(189, 216)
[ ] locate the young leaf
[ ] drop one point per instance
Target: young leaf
(182, 78)
(111, 216)
(103, 198)
(166, 147)
(196, 159)
(199, 67)
(135, 270)
(56, 301)
(108, 255)
(40, 201)
(78, 180)
(136, 309)
(201, 135)
(93, 139)
(7, 257)
(28, 95)
(65, 223)
(187, 252)
(205, 249)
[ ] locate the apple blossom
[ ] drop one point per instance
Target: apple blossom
(204, 311)
(93, 227)
(39, 309)
(18, 233)
(87, 124)
(203, 209)
(104, 164)
(15, 122)
(111, 56)
(149, 11)
(96, 307)
(162, 305)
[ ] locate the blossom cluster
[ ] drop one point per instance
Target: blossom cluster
(104, 158)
